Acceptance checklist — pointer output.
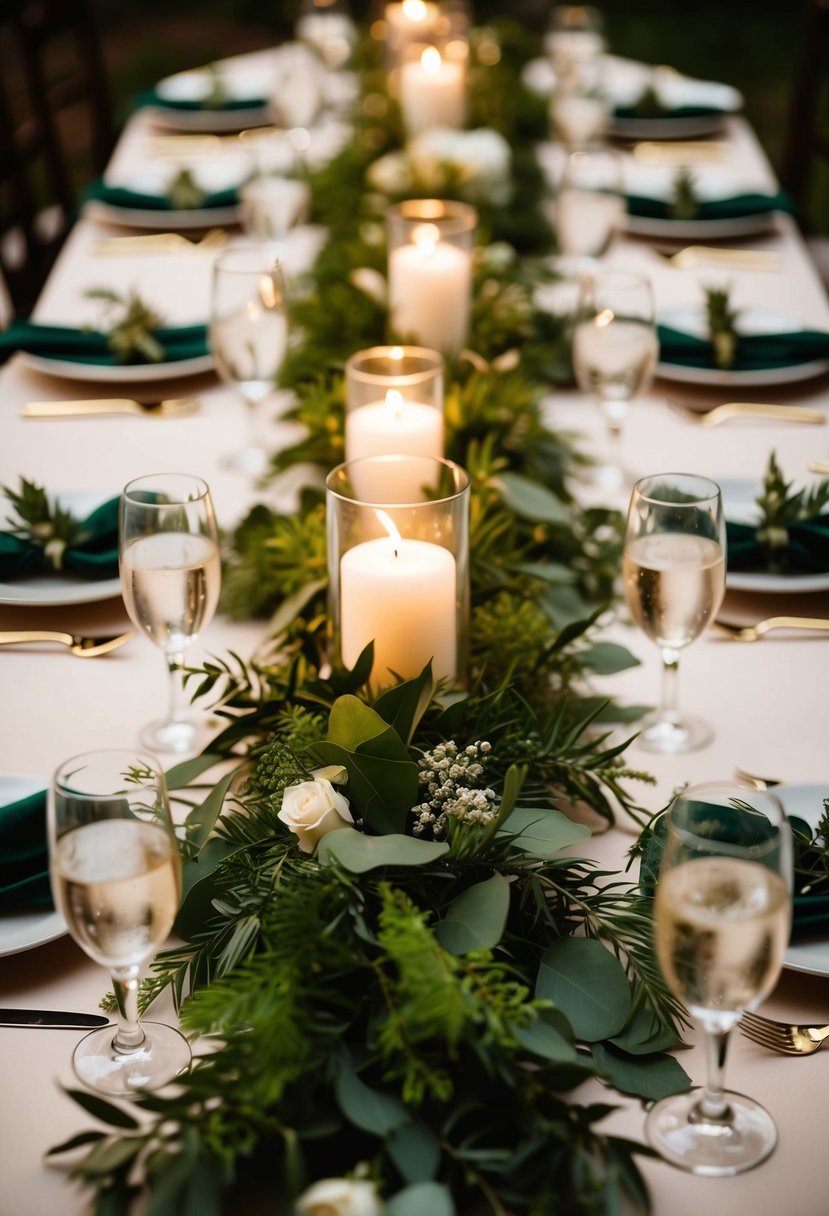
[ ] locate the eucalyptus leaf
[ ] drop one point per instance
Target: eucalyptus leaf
(475, 920)
(181, 775)
(369, 1109)
(382, 780)
(202, 819)
(415, 1150)
(99, 1108)
(424, 1197)
(588, 983)
(543, 1039)
(543, 832)
(645, 1035)
(651, 1077)
(530, 499)
(200, 887)
(608, 658)
(359, 853)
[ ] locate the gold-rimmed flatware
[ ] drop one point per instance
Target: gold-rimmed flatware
(819, 466)
(753, 633)
(787, 1038)
(711, 255)
(681, 152)
(159, 242)
(83, 647)
(750, 409)
(755, 781)
(171, 407)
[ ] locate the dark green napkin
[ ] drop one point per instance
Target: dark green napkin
(24, 856)
(649, 115)
(740, 206)
(90, 346)
(755, 352)
(151, 97)
(807, 552)
(93, 556)
(120, 196)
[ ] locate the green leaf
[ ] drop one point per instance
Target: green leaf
(358, 853)
(75, 1142)
(645, 1035)
(415, 1150)
(543, 1039)
(476, 919)
(109, 1155)
(291, 608)
(651, 1077)
(424, 1197)
(367, 1108)
(200, 887)
(99, 1108)
(403, 705)
(542, 832)
(607, 658)
(182, 774)
(382, 780)
(352, 722)
(202, 819)
(530, 499)
(588, 984)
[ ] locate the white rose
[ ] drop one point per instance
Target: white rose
(339, 1197)
(312, 809)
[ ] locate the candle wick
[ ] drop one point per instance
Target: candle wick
(395, 552)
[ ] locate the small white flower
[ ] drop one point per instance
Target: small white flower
(312, 809)
(390, 174)
(371, 283)
(340, 1197)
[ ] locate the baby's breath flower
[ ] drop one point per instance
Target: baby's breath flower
(449, 777)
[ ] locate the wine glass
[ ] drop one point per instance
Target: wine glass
(673, 568)
(277, 196)
(328, 27)
(168, 556)
(722, 917)
(590, 203)
(116, 880)
(248, 334)
(614, 353)
(575, 35)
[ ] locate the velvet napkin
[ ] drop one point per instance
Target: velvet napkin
(93, 556)
(121, 196)
(24, 855)
(739, 206)
(634, 111)
(91, 346)
(807, 551)
(151, 97)
(755, 352)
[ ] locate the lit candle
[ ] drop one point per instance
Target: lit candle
(432, 92)
(407, 22)
(400, 594)
(430, 287)
(394, 427)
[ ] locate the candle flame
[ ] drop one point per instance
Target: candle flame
(396, 352)
(604, 318)
(267, 291)
(390, 526)
(414, 10)
(431, 61)
(425, 237)
(394, 402)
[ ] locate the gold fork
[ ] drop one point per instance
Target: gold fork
(753, 633)
(741, 259)
(750, 409)
(790, 1039)
(84, 647)
(173, 407)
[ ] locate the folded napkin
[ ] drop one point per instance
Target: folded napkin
(121, 196)
(93, 555)
(755, 352)
(740, 206)
(697, 111)
(91, 346)
(152, 97)
(807, 551)
(24, 857)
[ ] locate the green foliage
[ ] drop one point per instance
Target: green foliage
(722, 325)
(780, 507)
(131, 324)
(40, 521)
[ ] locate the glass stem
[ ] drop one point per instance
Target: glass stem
(712, 1106)
(129, 1035)
(179, 705)
(669, 709)
(615, 413)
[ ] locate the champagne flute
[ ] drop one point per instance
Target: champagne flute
(116, 880)
(614, 353)
(248, 334)
(673, 569)
(722, 918)
(168, 552)
(589, 203)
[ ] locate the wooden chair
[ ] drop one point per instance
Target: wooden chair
(55, 132)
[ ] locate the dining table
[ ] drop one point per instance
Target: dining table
(766, 700)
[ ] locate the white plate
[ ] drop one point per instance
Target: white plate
(47, 590)
(127, 373)
(23, 930)
(703, 230)
(669, 127)
(806, 801)
(751, 321)
(206, 122)
(153, 221)
(739, 505)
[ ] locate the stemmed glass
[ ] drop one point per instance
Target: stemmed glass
(168, 555)
(277, 196)
(614, 353)
(722, 917)
(589, 203)
(116, 879)
(673, 567)
(248, 334)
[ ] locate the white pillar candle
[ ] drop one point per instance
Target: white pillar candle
(432, 93)
(430, 288)
(401, 595)
(393, 427)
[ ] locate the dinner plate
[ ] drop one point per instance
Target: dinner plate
(739, 505)
(59, 590)
(691, 126)
(806, 801)
(703, 230)
(24, 930)
(692, 320)
(122, 373)
(153, 221)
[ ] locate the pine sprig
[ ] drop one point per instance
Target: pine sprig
(40, 520)
(722, 325)
(781, 506)
(131, 324)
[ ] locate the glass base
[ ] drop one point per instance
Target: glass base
(164, 1055)
(175, 738)
(612, 478)
(680, 1135)
(251, 461)
(669, 735)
